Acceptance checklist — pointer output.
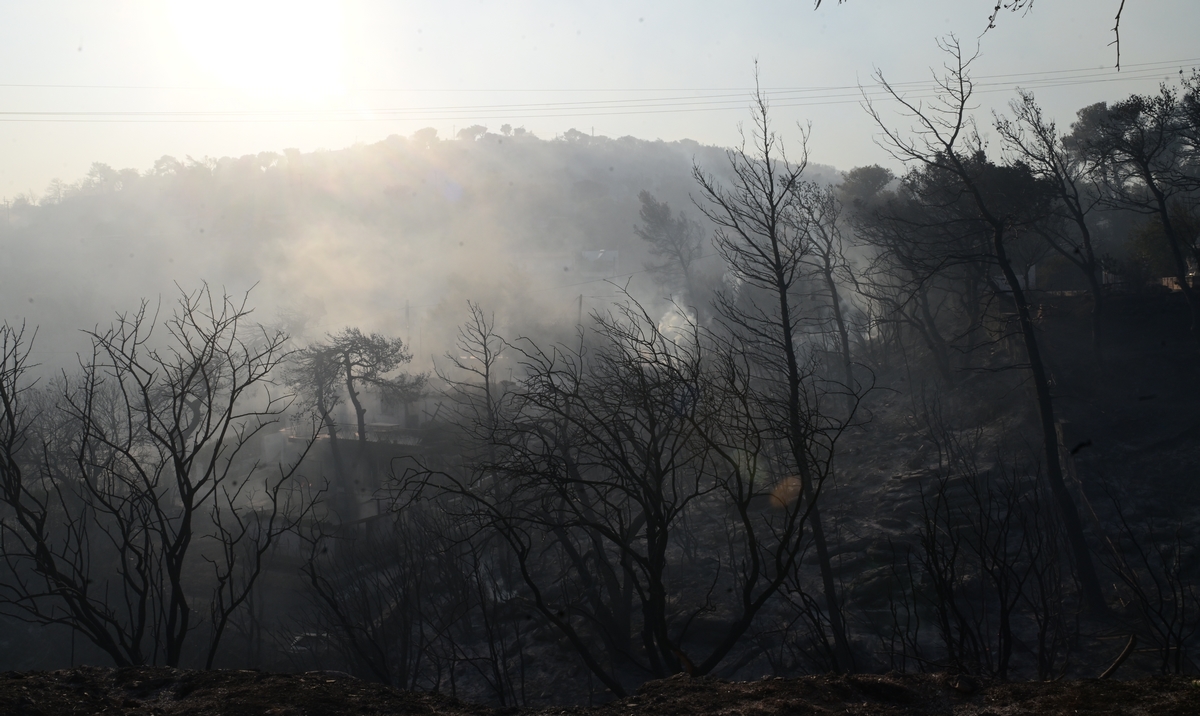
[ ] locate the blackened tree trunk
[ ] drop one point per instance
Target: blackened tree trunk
(999, 198)
(762, 236)
(1086, 569)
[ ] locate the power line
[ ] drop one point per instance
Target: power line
(721, 99)
(780, 97)
(219, 88)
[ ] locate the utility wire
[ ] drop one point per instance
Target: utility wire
(738, 99)
(781, 97)
(218, 88)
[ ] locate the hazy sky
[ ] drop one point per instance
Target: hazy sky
(126, 82)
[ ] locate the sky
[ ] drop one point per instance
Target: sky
(125, 82)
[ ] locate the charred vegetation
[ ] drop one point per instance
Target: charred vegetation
(935, 423)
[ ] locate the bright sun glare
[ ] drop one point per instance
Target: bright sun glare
(288, 48)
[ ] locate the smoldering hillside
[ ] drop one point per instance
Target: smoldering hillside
(393, 237)
(936, 422)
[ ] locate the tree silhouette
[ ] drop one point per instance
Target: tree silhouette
(675, 239)
(139, 475)
(946, 146)
(763, 237)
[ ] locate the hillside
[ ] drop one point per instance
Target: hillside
(394, 236)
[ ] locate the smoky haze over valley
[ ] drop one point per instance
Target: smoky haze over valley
(394, 237)
(561, 371)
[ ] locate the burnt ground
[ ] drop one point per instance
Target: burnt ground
(1134, 429)
(154, 691)
(170, 692)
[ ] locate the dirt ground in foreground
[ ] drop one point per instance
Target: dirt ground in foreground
(164, 692)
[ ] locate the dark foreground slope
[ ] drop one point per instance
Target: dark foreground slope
(162, 691)
(170, 691)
